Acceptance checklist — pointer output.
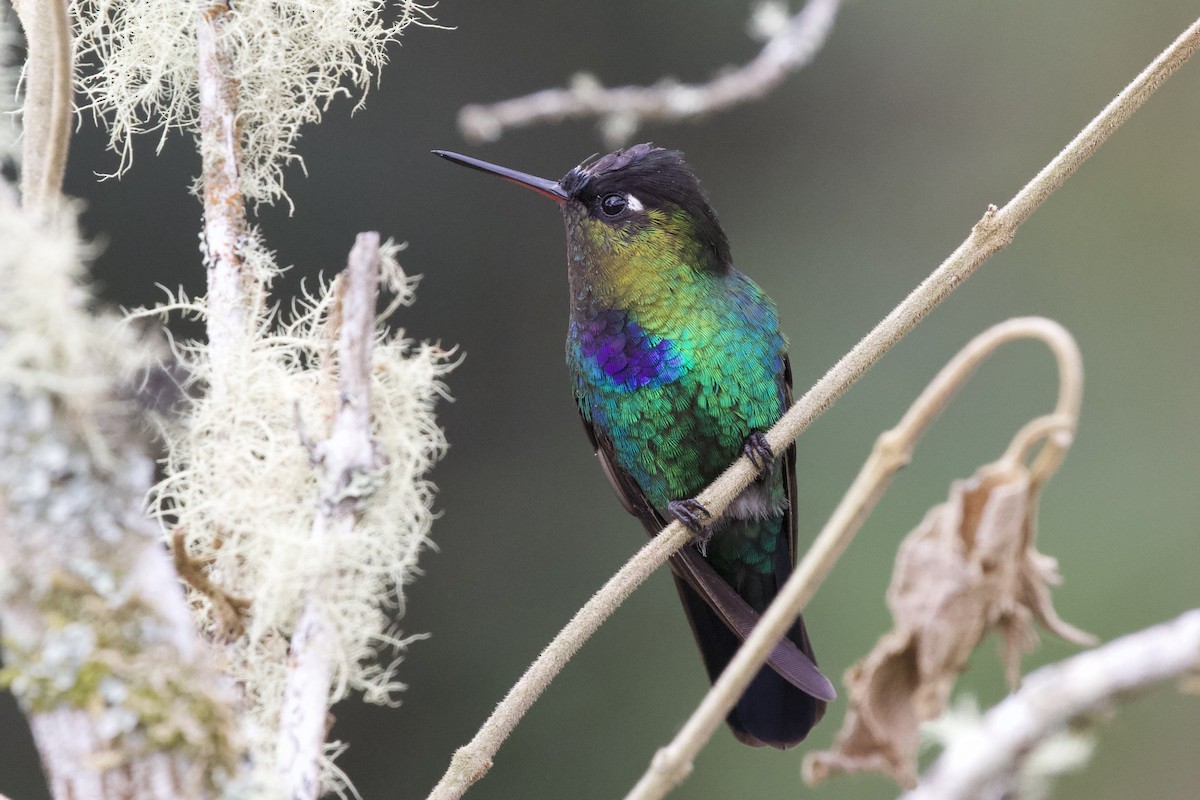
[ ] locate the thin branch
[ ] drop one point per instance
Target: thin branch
(232, 292)
(980, 764)
(791, 46)
(987, 237)
(472, 761)
(893, 450)
(47, 112)
(347, 456)
(1056, 429)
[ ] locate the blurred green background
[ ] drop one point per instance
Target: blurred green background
(840, 191)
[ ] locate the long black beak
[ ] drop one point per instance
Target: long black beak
(542, 186)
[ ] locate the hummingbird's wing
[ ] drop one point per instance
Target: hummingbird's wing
(789, 466)
(792, 663)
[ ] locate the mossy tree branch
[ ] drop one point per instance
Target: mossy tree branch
(99, 646)
(233, 293)
(348, 458)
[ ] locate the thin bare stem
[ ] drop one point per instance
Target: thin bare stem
(791, 46)
(472, 761)
(47, 111)
(347, 456)
(990, 235)
(893, 450)
(981, 763)
(934, 399)
(995, 230)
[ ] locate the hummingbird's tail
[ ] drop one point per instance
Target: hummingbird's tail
(772, 711)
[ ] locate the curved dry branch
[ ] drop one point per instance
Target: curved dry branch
(792, 45)
(893, 450)
(986, 762)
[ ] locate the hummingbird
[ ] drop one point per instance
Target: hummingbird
(678, 367)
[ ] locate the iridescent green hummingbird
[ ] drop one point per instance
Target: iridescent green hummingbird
(678, 368)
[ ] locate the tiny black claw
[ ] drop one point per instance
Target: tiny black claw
(695, 517)
(759, 451)
(690, 513)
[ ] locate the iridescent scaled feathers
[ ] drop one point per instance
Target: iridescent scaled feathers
(676, 360)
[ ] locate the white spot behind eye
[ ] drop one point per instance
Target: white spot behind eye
(633, 203)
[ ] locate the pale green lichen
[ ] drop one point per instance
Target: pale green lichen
(109, 661)
(289, 61)
(80, 632)
(244, 492)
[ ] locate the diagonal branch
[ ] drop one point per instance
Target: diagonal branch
(991, 234)
(791, 46)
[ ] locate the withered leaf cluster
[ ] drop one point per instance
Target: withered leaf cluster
(969, 568)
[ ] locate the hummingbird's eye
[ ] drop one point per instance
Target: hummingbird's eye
(613, 204)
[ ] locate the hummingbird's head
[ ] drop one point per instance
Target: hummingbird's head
(642, 197)
(637, 222)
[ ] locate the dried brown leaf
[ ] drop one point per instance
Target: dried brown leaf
(970, 567)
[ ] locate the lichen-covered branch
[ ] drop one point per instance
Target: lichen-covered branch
(348, 458)
(288, 61)
(99, 647)
(294, 555)
(792, 43)
(233, 293)
(988, 761)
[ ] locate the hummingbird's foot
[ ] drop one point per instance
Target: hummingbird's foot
(760, 453)
(696, 517)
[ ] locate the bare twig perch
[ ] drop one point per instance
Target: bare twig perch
(987, 762)
(791, 45)
(988, 237)
(348, 457)
(472, 761)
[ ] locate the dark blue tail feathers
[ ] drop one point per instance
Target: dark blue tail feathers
(772, 712)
